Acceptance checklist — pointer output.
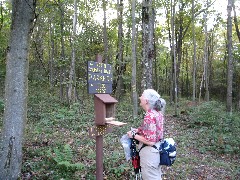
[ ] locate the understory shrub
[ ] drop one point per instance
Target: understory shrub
(63, 157)
(217, 129)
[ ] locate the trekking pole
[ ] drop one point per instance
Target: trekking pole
(138, 176)
(135, 160)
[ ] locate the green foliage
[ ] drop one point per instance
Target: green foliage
(218, 131)
(58, 145)
(63, 157)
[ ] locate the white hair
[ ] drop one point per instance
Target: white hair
(154, 99)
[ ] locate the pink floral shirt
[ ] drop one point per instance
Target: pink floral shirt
(152, 126)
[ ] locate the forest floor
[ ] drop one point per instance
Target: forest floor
(193, 164)
(57, 146)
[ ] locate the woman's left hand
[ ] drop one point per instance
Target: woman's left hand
(130, 134)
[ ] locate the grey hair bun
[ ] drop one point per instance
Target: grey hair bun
(154, 99)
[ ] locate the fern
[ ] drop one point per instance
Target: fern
(68, 152)
(64, 157)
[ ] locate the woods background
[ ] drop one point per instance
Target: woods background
(183, 49)
(66, 35)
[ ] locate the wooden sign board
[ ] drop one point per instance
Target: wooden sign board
(99, 78)
(99, 88)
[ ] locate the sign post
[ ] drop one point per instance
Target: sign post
(100, 80)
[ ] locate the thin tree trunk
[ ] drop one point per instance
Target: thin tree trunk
(170, 70)
(194, 53)
(16, 90)
(1, 13)
(200, 87)
(236, 22)
(174, 74)
(120, 63)
(134, 61)
(206, 61)
(72, 80)
(105, 39)
(151, 49)
(62, 67)
(230, 57)
(187, 73)
(238, 35)
(51, 59)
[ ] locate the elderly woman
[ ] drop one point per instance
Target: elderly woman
(150, 133)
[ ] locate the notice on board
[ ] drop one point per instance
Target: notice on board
(99, 78)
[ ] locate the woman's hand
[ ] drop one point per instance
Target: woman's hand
(130, 134)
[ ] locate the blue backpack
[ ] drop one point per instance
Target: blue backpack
(167, 152)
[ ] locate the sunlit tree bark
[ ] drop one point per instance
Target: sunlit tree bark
(194, 53)
(206, 59)
(148, 46)
(230, 57)
(134, 61)
(16, 90)
(173, 50)
(72, 75)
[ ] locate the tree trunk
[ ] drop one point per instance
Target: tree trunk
(1, 13)
(62, 66)
(179, 35)
(187, 85)
(51, 57)
(230, 58)
(174, 73)
(236, 22)
(171, 39)
(72, 80)
(148, 46)
(105, 39)
(120, 62)
(134, 61)
(16, 90)
(206, 60)
(194, 53)
(238, 35)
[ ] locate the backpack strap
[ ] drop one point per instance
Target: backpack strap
(155, 147)
(144, 145)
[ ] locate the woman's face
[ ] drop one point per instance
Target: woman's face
(143, 101)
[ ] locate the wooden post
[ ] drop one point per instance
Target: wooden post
(104, 107)
(99, 144)
(99, 157)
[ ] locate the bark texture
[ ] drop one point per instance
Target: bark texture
(148, 46)
(16, 89)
